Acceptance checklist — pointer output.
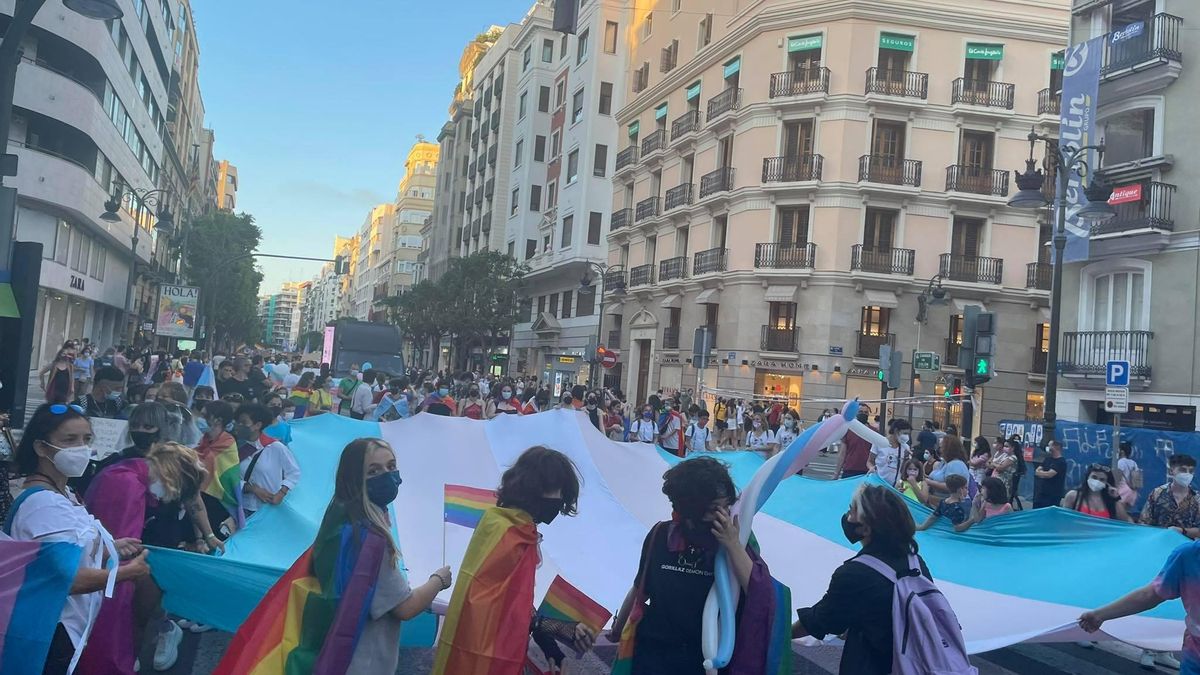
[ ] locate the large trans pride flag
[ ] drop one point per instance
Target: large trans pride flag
(1038, 569)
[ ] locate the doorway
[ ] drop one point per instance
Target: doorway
(643, 372)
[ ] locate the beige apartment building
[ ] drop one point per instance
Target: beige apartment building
(227, 186)
(797, 172)
(414, 205)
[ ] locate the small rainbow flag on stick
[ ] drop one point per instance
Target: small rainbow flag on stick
(465, 505)
(567, 603)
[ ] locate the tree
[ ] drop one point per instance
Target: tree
(310, 341)
(421, 316)
(228, 289)
(482, 291)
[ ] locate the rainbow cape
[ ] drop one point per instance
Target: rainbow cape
(35, 578)
(486, 631)
(567, 603)
(465, 506)
(310, 620)
(221, 460)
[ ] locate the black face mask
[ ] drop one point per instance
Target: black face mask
(142, 440)
(383, 488)
(545, 509)
(853, 531)
(699, 533)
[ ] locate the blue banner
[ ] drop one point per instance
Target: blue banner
(1129, 32)
(1077, 128)
(1085, 444)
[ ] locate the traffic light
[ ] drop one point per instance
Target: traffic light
(341, 265)
(955, 390)
(983, 348)
(895, 374)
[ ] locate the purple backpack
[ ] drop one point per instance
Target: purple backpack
(926, 636)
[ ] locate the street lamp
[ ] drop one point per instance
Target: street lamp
(933, 295)
(141, 201)
(588, 286)
(1063, 161)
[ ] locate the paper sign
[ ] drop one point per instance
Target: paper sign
(108, 436)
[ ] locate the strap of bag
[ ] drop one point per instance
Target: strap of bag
(250, 468)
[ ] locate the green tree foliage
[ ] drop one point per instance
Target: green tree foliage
(228, 289)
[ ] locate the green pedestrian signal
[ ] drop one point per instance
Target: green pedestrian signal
(983, 367)
(946, 394)
(881, 374)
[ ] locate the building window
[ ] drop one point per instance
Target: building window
(648, 25)
(568, 224)
(541, 305)
(521, 105)
(875, 320)
(539, 148)
(600, 161)
(572, 166)
(705, 33)
(577, 107)
(581, 48)
(512, 247)
(594, 220)
(554, 304)
(516, 199)
(567, 296)
(585, 304)
(62, 242)
(560, 94)
(1128, 136)
(518, 153)
(544, 99)
(610, 37)
(783, 315)
(879, 229)
(547, 51)
(551, 195)
(1119, 301)
(535, 197)
(1035, 406)
(527, 59)
(675, 5)
(562, 47)
(606, 91)
(555, 144)
(530, 248)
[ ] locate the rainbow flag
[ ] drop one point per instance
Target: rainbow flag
(35, 578)
(224, 476)
(567, 603)
(465, 505)
(486, 631)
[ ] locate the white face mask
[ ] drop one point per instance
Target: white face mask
(904, 438)
(1183, 478)
(1096, 485)
(72, 462)
(289, 416)
(157, 489)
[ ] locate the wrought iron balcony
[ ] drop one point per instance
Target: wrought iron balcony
(1159, 41)
(647, 208)
(777, 339)
(686, 124)
(614, 339)
(614, 281)
(792, 169)
(1039, 275)
(672, 268)
(730, 99)
(654, 141)
(1088, 353)
(720, 180)
(889, 170)
(1152, 211)
(902, 83)
(882, 260)
(671, 337)
(1049, 102)
(780, 256)
(641, 275)
(983, 93)
(680, 195)
(710, 261)
(868, 344)
(976, 180)
(971, 268)
(799, 82)
(621, 218)
(627, 157)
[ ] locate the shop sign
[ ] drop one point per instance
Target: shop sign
(804, 43)
(77, 282)
(863, 371)
(669, 359)
(771, 364)
(566, 359)
(985, 52)
(1122, 195)
(1058, 61)
(1129, 32)
(731, 356)
(900, 43)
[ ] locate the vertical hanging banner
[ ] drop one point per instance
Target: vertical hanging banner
(177, 311)
(327, 347)
(1077, 128)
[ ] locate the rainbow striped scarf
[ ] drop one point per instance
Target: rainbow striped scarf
(486, 631)
(221, 460)
(311, 619)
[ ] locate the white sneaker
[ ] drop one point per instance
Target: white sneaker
(184, 623)
(1167, 659)
(1147, 660)
(137, 665)
(166, 650)
(200, 628)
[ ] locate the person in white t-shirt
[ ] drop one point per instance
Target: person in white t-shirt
(644, 429)
(269, 470)
(699, 436)
(885, 460)
(789, 429)
(760, 436)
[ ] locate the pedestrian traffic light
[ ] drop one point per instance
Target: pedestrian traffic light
(983, 348)
(881, 375)
(956, 390)
(895, 374)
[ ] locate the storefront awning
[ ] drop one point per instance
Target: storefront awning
(881, 299)
(780, 294)
(615, 308)
(709, 296)
(672, 300)
(8, 303)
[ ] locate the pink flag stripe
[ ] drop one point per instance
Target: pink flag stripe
(17, 557)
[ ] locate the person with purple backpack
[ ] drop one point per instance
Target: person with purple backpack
(884, 600)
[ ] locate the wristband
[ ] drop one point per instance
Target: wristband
(441, 580)
(211, 536)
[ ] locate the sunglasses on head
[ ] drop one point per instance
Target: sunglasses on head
(61, 408)
(1099, 467)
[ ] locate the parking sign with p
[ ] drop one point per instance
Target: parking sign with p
(1117, 374)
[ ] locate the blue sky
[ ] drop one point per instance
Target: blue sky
(317, 104)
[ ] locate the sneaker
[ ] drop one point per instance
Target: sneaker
(137, 665)
(1147, 660)
(1167, 659)
(200, 628)
(166, 650)
(184, 623)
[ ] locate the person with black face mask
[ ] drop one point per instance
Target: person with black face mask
(498, 578)
(676, 573)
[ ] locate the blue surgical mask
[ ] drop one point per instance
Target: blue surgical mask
(443, 391)
(202, 425)
(113, 396)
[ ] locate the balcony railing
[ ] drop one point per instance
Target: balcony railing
(687, 123)
(1039, 361)
(971, 268)
(621, 218)
(1088, 353)
(792, 169)
(730, 99)
(882, 260)
(869, 344)
(614, 339)
(976, 180)
(983, 93)
(641, 275)
(720, 180)
(777, 339)
(627, 157)
(654, 141)
(902, 83)
(1159, 40)
(1039, 275)
(889, 170)
(1152, 211)
(680, 195)
(647, 208)
(799, 82)
(614, 281)
(1049, 102)
(671, 337)
(486, 225)
(780, 256)
(953, 349)
(672, 268)
(712, 260)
